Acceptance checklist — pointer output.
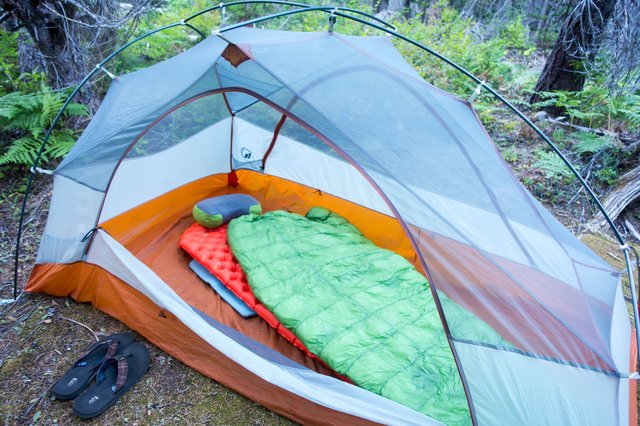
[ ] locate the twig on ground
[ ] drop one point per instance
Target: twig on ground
(37, 401)
(12, 305)
(183, 390)
(600, 132)
(22, 316)
(22, 342)
(95, 336)
(615, 257)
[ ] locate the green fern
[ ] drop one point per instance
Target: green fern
(21, 151)
(553, 166)
(590, 143)
(27, 116)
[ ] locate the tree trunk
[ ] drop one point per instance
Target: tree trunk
(381, 5)
(407, 9)
(577, 43)
(391, 8)
(50, 49)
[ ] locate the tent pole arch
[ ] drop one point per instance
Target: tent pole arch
(354, 164)
(185, 22)
(335, 11)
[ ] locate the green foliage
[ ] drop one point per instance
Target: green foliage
(8, 60)
(514, 36)
(595, 107)
(27, 116)
(168, 43)
(510, 154)
(553, 166)
(27, 109)
(456, 37)
(590, 143)
(606, 175)
(560, 138)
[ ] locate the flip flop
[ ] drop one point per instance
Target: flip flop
(115, 376)
(78, 377)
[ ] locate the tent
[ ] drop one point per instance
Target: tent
(302, 119)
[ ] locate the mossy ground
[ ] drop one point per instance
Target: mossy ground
(38, 342)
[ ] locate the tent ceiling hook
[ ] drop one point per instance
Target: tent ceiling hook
(332, 20)
(223, 11)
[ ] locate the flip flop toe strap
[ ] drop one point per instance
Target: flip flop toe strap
(111, 351)
(123, 372)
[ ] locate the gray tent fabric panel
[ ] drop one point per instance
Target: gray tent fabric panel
(398, 127)
(381, 49)
(134, 100)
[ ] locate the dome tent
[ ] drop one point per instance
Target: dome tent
(318, 118)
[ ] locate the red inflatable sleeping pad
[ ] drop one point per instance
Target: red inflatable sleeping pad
(210, 248)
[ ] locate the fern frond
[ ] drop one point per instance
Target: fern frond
(590, 143)
(21, 151)
(552, 165)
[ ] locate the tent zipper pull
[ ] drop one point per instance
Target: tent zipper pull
(88, 234)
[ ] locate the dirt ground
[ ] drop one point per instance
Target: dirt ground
(41, 336)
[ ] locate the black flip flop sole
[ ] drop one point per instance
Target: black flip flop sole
(84, 375)
(138, 365)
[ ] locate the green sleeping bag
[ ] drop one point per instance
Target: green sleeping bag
(362, 309)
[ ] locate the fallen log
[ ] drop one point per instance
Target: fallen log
(626, 192)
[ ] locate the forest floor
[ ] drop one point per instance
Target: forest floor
(41, 336)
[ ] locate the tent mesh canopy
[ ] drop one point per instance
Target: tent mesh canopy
(359, 123)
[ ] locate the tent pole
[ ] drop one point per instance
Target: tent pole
(304, 10)
(100, 65)
(515, 110)
(326, 9)
(47, 135)
(200, 33)
(338, 11)
(32, 173)
(554, 147)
